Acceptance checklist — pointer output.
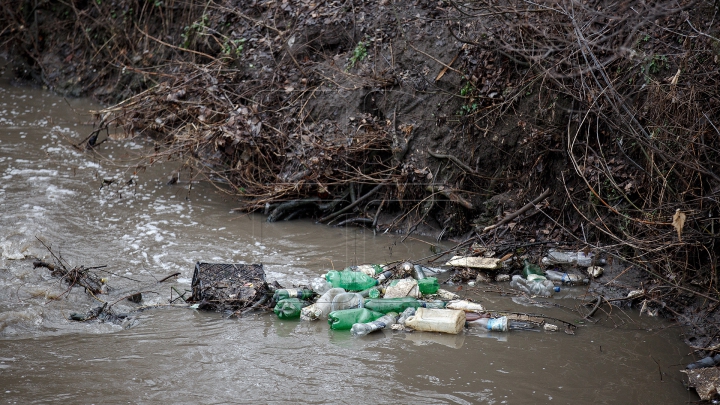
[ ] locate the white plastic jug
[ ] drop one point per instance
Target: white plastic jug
(437, 320)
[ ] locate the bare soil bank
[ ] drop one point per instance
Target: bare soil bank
(431, 117)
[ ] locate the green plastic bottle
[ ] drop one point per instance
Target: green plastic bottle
(531, 269)
(350, 280)
(428, 285)
(289, 308)
(346, 318)
(374, 293)
(386, 305)
(292, 293)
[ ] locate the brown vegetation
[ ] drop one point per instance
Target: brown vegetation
(447, 113)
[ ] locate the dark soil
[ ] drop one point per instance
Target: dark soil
(427, 117)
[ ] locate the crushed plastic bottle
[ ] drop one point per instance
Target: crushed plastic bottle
(466, 306)
(418, 273)
(320, 285)
(428, 285)
(541, 288)
(345, 319)
(371, 270)
(289, 308)
(347, 301)
(408, 312)
(350, 280)
(565, 278)
(407, 287)
(362, 329)
(579, 258)
(530, 268)
(322, 307)
(447, 295)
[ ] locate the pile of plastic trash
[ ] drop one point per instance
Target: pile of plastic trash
(366, 298)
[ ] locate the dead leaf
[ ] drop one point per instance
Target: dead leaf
(507, 256)
(678, 222)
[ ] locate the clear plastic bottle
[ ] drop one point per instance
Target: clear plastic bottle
(541, 288)
(492, 324)
(320, 285)
(371, 270)
(565, 278)
(436, 304)
(407, 313)
(347, 301)
(322, 307)
(579, 258)
(362, 329)
(418, 273)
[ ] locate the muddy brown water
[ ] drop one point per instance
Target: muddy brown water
(146, 231)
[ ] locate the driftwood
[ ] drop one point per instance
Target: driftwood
(78, 275)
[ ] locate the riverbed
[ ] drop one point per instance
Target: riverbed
(95, 208)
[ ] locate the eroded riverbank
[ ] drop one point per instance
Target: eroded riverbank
(148, 229)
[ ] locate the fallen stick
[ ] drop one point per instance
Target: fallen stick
(518, 212)
(453, 159)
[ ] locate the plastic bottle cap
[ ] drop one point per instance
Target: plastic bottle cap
(557, 289)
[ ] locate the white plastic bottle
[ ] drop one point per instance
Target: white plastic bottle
(322, 307)
(347, 301)
(541, 288)
(565, 278)
(362, 329)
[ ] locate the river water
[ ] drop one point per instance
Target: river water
(51, 192)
